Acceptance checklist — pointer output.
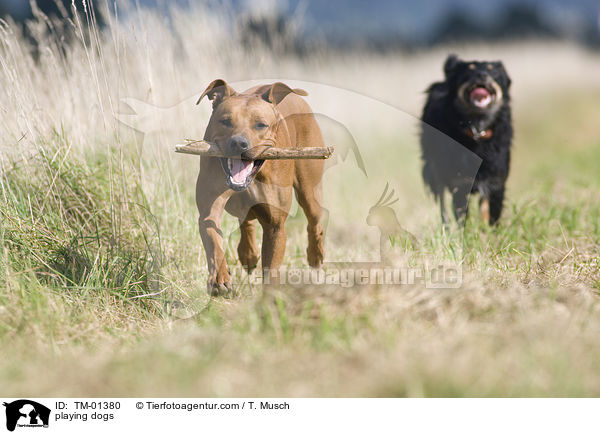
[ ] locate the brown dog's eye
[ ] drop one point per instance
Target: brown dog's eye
(260, 126)
(225, 122)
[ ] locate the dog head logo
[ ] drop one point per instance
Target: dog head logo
(26, 413)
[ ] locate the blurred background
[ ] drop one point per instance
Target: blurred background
(388, 24)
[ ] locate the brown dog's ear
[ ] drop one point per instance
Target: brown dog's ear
(278, 91)
(216, 92)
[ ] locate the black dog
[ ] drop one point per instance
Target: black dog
(471, 107)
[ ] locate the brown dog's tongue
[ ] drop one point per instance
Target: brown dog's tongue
(240, 170)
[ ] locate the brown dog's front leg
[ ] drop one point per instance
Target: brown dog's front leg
(247, 249)
(209, 224)
(273, 250)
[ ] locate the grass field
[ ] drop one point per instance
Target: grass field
(102, 276)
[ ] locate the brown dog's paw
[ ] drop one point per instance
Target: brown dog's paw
(219, 284)
(249, 263)
(248, 254)
(224, 289)
(315, 254)
(315, 261)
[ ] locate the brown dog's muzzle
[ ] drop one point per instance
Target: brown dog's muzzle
(237, 144)
(239, 172)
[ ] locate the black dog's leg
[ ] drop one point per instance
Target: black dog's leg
(484, 202)
(496, 202)
(443, 211)
(460, 201)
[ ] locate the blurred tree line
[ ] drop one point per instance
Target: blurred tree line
(279, 31)
(516, 22)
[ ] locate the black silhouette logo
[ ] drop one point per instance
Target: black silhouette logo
(26, 413)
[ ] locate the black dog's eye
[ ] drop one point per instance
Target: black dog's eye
(471, 66)
(490, 67)
(260, 126)
(225, 122)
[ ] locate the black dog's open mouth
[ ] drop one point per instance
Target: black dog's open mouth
(480, 95)
(240, 172)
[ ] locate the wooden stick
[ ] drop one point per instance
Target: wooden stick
(260, 152)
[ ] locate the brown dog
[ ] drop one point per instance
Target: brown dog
(273, 114)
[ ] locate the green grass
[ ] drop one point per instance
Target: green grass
(525, 321)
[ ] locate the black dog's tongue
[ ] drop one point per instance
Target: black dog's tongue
(480, 96)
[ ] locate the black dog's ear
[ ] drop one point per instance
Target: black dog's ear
(451, 62)
(216, 92)
(278, 91)
(505, 78)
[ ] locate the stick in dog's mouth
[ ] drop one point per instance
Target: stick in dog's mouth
(239, 172)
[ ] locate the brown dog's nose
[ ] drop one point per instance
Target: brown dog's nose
(238, 144)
